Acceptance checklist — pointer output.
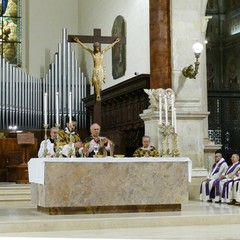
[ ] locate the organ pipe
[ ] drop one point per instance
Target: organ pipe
(21, 100)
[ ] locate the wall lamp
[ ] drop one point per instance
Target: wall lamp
(190, 72)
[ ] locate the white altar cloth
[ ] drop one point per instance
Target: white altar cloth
(36, 166)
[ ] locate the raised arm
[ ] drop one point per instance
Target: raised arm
(111, 45)
(82, 45)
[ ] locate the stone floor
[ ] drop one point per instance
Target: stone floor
(197, 220)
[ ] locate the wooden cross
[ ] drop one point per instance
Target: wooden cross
(97, 37)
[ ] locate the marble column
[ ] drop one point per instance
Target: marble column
(160, 44)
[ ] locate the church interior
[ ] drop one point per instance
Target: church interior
(46, 76)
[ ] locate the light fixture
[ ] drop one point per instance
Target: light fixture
(14, 128)
(190, 72)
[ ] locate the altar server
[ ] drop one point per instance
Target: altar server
(146, 150)
(47, 147)
(70, 136)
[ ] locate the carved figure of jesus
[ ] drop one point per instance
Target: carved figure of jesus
(98, 74)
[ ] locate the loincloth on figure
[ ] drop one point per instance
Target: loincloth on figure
(98, 76)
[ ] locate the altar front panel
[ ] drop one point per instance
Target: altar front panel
(109, 182)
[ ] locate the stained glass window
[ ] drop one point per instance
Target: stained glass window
(10, 31)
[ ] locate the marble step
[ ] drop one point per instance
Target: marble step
(24, 217)
(27, 219)
(15, 192)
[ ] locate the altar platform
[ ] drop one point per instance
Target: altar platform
(197, 221)
(107, 185)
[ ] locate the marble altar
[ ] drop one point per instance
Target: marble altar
(92, 185)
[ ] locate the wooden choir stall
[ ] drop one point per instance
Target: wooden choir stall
(15, 152)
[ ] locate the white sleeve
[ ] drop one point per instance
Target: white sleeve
(108, 147)
(41, 149)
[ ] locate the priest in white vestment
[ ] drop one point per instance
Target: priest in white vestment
(223, 185)
(234, 191)
(218, 169)
(47, 146)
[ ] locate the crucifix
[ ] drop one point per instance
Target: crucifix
(98, 74)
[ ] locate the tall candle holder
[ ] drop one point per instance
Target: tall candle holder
(175, 151)
(45, 151)
(168, 140)
(112, 145)
(57, 148)
(71, 149)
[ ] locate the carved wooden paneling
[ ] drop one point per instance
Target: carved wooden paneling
(3, 171)
(14, 158)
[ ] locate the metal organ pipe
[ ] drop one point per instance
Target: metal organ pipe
(21, 99)
(63, 78)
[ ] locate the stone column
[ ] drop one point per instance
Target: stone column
(188, 25)
(160, 44)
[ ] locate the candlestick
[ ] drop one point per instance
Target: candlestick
(70, 107)
(45, 108)
(58, 149)
(172, 102)
(45, 151)
(166, 109)
(57, 110)
(160, 109)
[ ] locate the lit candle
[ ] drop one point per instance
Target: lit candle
(57, 110)
(45, 108)
(172, 102)
(175, 120)
(70, 107)
(166, 109)
(160, 108)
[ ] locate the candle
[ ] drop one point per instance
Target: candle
(57, 110)
(45, 108)
(70, 107)
(175, 120)
(160, 108)
(172, 102)
(166, 109)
